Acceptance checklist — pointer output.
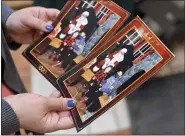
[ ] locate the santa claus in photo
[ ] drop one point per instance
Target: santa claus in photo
(77, 24)
(111, 60)
(70, 41)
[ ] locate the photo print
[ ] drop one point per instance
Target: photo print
(124, 63)
(84, 27)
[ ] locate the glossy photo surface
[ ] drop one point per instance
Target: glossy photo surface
(114, 71)
(80, 29)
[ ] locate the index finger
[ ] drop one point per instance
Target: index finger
(56, 94)
(52, 13)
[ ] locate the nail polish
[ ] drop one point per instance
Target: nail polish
(49, 27)
(71, 103)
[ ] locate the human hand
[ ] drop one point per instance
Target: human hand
(27, 25)
(42, 114)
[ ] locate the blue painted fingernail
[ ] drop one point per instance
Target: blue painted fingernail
(49, 27)
(71, 103)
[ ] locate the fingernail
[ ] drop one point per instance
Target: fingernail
(49, 27)
(71, 103)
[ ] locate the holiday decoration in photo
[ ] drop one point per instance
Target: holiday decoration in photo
(83, 27)
(114, 71)
(108, 75)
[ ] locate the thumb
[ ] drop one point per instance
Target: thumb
(60, 104)
(39, 24)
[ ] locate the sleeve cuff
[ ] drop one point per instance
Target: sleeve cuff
(6, 12)
(14, 46)
(10, 123)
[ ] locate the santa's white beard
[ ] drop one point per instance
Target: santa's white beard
(82, 21)
(117, 58)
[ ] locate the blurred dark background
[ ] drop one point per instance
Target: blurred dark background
(165, 18)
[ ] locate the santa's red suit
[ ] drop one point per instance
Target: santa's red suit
(112, 60)
(75, 25)
(100, 76)
(69, 41)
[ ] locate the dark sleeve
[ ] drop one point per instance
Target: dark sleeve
(9, 121)
(6, 12)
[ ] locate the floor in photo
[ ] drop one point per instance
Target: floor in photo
(50, 65)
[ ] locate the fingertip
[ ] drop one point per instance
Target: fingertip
(57, 13)
(56, 94)
(53, 13)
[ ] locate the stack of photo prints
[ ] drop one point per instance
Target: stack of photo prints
(87, 57)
